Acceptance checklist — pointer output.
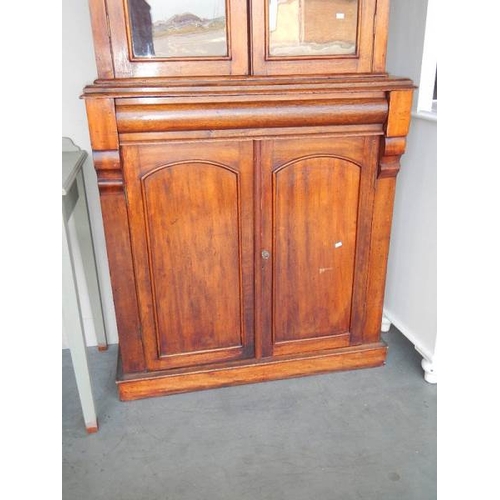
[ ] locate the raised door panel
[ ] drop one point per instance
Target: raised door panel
(191, 213)
(316, 191)
(315, 213)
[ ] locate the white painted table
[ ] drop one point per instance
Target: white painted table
(73, 288)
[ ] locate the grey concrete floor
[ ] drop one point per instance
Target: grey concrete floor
(365, 434)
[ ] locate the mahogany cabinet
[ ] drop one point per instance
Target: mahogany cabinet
(246, 154)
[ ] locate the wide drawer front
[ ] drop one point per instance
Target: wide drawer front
(163, 117)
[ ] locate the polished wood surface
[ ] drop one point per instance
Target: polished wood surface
(312, 189)
(240, 88)
(191, 215)
(381, 29)
(315, 202)
(172, 117)
(210, 377)
(103, 132)
(106, 156)
(247, 199)
(100, 35)
(122, 277)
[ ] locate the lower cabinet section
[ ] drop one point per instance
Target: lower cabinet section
(250, 259)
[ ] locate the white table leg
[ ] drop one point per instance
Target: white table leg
(73, 323)
(90, 270)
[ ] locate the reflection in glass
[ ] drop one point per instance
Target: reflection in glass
(189, 28)
(312, 27)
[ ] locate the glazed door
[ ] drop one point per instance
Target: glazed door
(190, 207)
(298, 37)
(154, 38)
(318, 198)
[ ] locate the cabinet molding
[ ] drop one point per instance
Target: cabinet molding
(210, 377)
(219, 116)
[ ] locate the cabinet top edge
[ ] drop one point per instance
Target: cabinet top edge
(133, 87)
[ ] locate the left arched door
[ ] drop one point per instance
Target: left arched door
(191, 216)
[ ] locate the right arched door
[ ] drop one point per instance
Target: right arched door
(318, 195)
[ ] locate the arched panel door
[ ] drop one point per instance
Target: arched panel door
(191, 209)
(311, 240)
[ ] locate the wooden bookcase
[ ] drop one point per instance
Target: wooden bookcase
(246, 165)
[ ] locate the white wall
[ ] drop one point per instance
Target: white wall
(406, 38)
(78, 70)
(411, 296)
(410, 300)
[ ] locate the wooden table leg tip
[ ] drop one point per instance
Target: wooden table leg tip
(92, 429)
(102, 347)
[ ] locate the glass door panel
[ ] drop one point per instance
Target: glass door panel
(170, 29)
(312, 27)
